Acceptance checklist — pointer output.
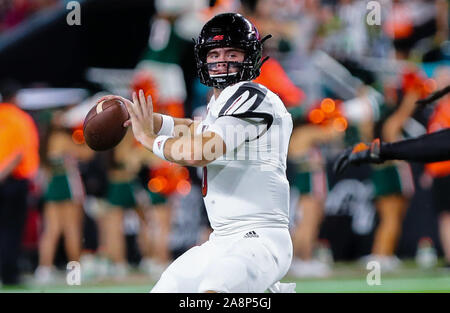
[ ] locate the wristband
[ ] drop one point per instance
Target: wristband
(167, 126)
(158, 146)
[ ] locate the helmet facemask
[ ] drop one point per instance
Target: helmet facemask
(245, 68)
(229, 77)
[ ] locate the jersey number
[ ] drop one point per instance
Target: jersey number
(205, 181)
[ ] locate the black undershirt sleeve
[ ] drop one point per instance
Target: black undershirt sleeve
(432, 147)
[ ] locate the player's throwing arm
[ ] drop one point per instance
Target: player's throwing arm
(157, 133)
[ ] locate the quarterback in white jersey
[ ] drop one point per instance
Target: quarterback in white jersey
(242, 147)
(247, 187)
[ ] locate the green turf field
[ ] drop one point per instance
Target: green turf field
(347, 277)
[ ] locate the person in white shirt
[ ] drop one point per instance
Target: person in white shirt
(242, 146)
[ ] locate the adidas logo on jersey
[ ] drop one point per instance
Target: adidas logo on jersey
(251, 234)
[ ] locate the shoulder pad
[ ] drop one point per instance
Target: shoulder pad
(249, 100)
(246, 98)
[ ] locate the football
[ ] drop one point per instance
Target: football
(103, 126)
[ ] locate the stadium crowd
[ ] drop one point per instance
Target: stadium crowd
(346, 76)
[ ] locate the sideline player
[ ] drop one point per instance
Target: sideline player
(433, 147)
(242, 146)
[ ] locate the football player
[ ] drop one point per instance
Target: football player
(432, 147)
(242, 146)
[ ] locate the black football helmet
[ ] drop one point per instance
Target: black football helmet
(230, 30)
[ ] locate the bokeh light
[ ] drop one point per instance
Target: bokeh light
(78, 136)
(157, 184)
(328, 105)
(316, 116)
(184, 187)
(340, 124)
(430, 85)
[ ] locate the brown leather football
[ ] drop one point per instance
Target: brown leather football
(103, 126)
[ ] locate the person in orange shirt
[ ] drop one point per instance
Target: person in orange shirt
(19, 162)
(274, 77)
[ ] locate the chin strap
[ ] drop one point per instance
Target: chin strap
(265, 38)
(262, 41)
(264, 60)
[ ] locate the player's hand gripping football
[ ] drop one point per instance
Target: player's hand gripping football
(141, 116)
(361, 153)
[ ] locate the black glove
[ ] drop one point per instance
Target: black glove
(361, 153)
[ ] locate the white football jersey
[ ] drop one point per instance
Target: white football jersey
(247, 187)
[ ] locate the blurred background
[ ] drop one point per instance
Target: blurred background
(348, 71)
